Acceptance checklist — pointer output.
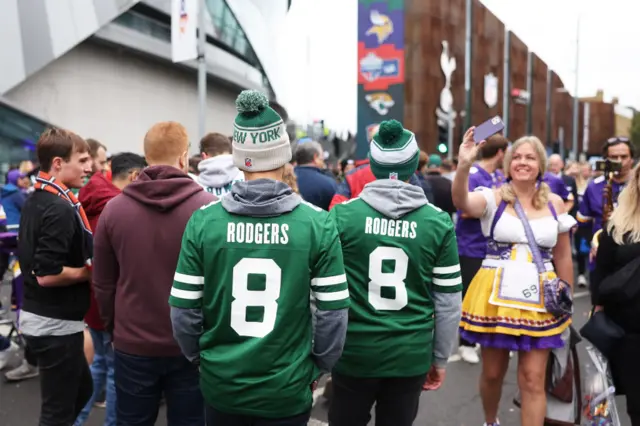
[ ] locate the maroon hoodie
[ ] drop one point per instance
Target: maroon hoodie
(93, 197)
(135, 256)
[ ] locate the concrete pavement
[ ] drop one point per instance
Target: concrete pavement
(457, 403)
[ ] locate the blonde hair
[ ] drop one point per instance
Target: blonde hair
(289, 177)
(541, 196)
(581, 181)
(625, 218)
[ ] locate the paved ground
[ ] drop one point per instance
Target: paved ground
(457, 403)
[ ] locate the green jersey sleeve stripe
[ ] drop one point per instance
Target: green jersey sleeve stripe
(330, 297)
(336, 279)
(447, 282)
(188, 279)
(186, 294)
(446, 269)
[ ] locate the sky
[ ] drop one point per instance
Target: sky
(318, 45)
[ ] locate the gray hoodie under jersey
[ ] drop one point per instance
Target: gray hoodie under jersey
(396, 199)
(218, 174)
(266, 198)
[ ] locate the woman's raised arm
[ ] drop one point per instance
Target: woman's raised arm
(471, 204)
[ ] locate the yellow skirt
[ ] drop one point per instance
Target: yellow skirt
(503, 327)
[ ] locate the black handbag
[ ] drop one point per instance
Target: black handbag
(602, 332)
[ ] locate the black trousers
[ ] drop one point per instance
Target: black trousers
(218, 418)
(396, 400)
(65, 379)
(469, 267)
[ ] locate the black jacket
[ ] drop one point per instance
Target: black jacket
(51, 237)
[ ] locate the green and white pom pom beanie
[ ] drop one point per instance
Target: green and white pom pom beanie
(393, 152)
(260, 139)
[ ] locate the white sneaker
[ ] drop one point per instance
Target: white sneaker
(582, 281)
(469, 354)
(5, 356)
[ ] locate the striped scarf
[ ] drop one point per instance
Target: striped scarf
(46, 182)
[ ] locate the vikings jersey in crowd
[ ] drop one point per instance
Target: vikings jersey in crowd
(557, 186)
(471, 242)
(590, 211)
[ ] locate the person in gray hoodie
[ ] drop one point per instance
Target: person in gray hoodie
(248, 267)
(401, 261)
(217, 173)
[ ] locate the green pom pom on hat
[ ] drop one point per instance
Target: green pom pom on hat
(260, 139)
(251, 101)
(393, 152)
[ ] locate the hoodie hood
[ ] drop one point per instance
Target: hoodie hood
(393, 198)
(162, 188)
(260, 198)
(218, 171)
(95, 194)
(8, 189)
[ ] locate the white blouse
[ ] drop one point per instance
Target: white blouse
(509, 228)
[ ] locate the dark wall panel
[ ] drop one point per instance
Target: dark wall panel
(430, 22)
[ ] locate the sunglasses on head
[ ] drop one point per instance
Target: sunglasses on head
(618, 139)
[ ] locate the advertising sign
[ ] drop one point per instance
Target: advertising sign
(380, 67)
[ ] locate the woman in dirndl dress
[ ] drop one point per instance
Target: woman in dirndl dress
(504, 309)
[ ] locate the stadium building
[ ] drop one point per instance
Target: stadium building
(103, 69)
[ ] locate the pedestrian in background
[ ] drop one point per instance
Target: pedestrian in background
(316, 187)
(55, 251)
(136, 252)
(94, 196)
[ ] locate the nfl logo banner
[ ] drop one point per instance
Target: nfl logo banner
(184, 23)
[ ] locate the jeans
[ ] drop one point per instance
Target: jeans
(218, 418)
(102, 373)
(141, 382)
(65, 379)
(4, 343)
(396, 400)
(469, 267)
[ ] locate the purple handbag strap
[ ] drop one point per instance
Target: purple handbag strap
(533, 246)
(496, 217)
(553, 211)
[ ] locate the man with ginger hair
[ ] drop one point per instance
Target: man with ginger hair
(135, 257)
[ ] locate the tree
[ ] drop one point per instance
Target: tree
(635, 131)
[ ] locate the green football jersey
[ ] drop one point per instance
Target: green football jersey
(253, 278)
(393, 267)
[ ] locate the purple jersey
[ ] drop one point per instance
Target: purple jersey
(471, 242)
(590, 211)
(557, 186)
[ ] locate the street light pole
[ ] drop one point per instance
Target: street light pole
(506, 81)
(548, 106)
(576, 100)
(202, 69)
(529, 121)
(467, 63)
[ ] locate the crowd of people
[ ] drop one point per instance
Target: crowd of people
(224, 285)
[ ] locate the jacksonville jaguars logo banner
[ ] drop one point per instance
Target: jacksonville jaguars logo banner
(380, 67)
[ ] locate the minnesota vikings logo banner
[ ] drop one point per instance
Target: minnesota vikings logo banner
(380, 67)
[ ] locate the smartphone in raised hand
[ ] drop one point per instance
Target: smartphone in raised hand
(488, 128)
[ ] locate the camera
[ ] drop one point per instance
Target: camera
(608, 166)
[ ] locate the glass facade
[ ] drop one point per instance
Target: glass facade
(227, 30)
(145, 24)
(18, 135)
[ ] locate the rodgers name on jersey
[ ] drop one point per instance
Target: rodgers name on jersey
(393, 269)
(252, 278)
(257, 233)
(390, 227)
